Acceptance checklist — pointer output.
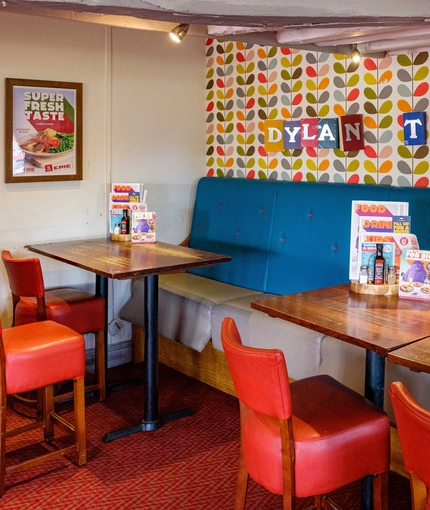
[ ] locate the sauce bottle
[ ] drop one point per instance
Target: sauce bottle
(379, 271)
(124, 222)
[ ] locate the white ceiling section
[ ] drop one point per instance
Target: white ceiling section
(377, 27)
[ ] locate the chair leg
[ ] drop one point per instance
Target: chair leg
(380, 491)
(418, 492)
(79, 409)
(101, 364)
(242, 485)
(48, 408)
(242, 474)
(3, 441)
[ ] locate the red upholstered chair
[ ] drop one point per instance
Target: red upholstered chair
(306, 438)
(413, 425)
(82, 311)
(36, 356)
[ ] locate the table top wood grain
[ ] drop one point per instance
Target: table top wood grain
(122, 260)
(415, 356)
(378, 323)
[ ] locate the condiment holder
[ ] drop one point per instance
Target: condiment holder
(385, 289)
(120, 237)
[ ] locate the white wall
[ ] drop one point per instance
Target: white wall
(143, 119)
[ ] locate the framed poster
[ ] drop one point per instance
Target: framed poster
(43, 131)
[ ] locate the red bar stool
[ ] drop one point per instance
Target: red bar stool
(79, 310)
(413, 425)
(307, 438)
(36, 356)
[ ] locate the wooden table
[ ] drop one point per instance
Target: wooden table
(124, 260)
(379, 324)
(415, 356)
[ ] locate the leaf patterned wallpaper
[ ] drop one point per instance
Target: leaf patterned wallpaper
(248, 84)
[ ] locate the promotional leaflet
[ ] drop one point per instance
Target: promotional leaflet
(414, 282)
(363, 212)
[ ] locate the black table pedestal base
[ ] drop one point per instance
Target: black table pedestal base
(147, 426)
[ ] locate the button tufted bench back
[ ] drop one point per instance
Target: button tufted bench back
(287, 237)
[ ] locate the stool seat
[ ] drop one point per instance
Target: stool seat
(41, 354)
(34, 357)
(77, 309)
(81, 311)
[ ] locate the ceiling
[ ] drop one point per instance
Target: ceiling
(376, 27)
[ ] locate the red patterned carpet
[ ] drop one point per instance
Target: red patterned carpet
(188, 464)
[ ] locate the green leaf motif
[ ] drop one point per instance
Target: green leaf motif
(273, 114)
(311, 164)
(339, 153)
(311, 85)
(262, 102)
(240, 81)
(311, 98)
(386, 107)
(229, 117)
(368, 179)
(250, 163)
(338, 68)
(370, 79)
(404, 152)
(210, 161)
(421, 74)
(297, 165)
(219, 172)
(352, 82)
(404, 60)
(285, 62)
(210, 73)
(210, 140)
(250, 67)
(262, 175)
(297, 86)
(370, 94)
(353, 166)
(229, 59)
(324, 111)
(421, 168)
(210, 96)
(240, 69)
(250, 91)
(241, 140)
(262, 163)
(272, 52)
(311, 177)
(229, 128)
(285, 75)
(297, 60)
(370, 166)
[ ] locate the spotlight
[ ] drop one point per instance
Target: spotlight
(355, 54)
(179, 32)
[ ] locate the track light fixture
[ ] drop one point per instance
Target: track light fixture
(355, 54)
(179, 32)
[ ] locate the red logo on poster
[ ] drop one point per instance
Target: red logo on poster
(48, 168)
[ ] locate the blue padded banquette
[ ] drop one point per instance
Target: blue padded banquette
(287, 237)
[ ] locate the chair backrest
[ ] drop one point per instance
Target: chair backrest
(260, 376)
(25, 280)
(413, 425)
(25, 276)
